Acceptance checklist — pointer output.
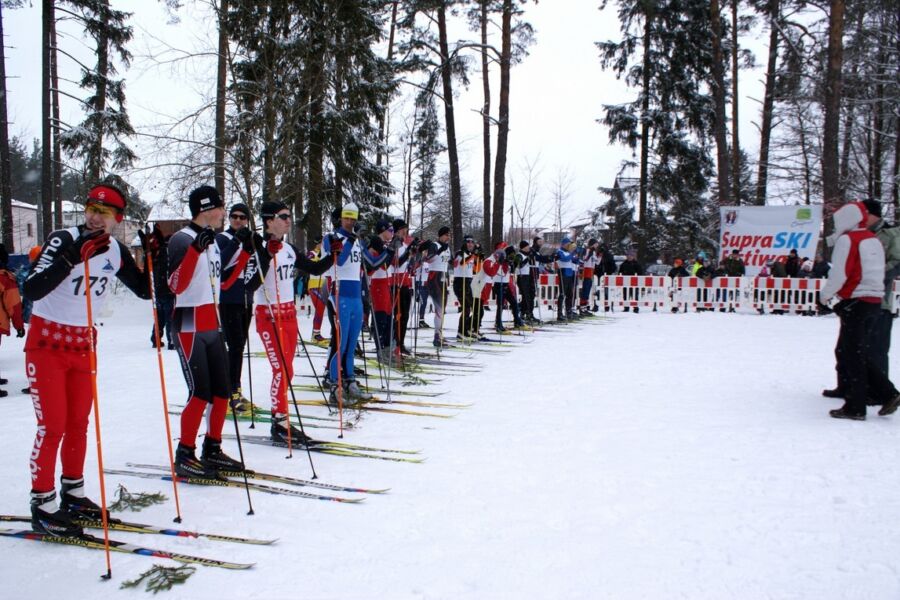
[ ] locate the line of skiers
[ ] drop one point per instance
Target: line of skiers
(214, 285)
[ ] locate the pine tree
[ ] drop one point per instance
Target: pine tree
(100, 139)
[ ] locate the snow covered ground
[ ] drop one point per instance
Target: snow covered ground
(639, 456)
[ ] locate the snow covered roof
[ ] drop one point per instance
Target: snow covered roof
(20, 204)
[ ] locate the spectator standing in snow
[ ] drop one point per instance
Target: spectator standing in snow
(792, 264)
(880, 334)
(820, 267)
(10, 304)
(631, 266)
(734, 265)
(857, 281)
(776, 269)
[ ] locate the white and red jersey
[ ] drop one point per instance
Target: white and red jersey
(857, 262)
(202, 279)
(463, 265)
(278, 283)
(65, 303)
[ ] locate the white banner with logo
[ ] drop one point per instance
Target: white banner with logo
(764, 233)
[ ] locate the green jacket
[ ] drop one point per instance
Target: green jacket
(890, 239)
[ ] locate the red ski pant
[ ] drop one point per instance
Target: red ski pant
(61, 394)
(270, 331)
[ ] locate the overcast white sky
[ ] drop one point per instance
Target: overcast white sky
(557, 93)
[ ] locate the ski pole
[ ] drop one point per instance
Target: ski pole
(237, 431)
(162, 385)
(245, 321)
(337, 352)
(92, 359)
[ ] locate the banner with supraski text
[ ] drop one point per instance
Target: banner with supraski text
(764, 233)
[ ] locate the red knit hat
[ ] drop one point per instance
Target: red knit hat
(109, 196)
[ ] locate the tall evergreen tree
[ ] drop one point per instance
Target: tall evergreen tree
(672, 116)
(100, 139)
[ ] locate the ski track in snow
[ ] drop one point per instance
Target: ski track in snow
(641, 456)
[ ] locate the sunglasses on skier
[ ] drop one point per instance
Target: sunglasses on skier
(284, 216)
(238, 216)
(95, 208)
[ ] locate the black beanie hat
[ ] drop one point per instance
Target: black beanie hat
(204, 198)
(400, 224)
(242, 208)
(270, 208)
(523, 244)
(443, 231)
(873, 206)
(382, 226)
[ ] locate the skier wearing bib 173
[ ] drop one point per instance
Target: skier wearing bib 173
(195, 272)
(57, 352)
(276, 313)
(349, 301)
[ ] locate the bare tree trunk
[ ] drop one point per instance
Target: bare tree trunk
(57, 151)
(502, 122)
(383, 118)
(878, 133)
(831, 185)
(645, 139)
(95, 156)
(735, 142)
(718, 91)
(5, 169)
(221, 81)
(849, 118)
(768, 111)
(44, 211)
(895, 193)
(450, 126)
(485, 128)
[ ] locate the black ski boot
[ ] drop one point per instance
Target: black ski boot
(279, 432)
(213, 457)
(46, 516)
(73, 501)
(187, 465)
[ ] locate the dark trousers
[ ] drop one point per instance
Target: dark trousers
(477, 315)
(501, 293)
(403, 298)
(164, 309)
(235, 324)
(462, 287)
(566, 297)
(422, 298)
(526, 289)
(861, 378)
(880, 340)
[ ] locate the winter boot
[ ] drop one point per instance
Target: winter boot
(423, 324)
(74, 502)
(833, 393)
(187, 465)
(890, 407)
(238, 404)
(213, 457)
(279, 432)
(46, 516)
(355, 393)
